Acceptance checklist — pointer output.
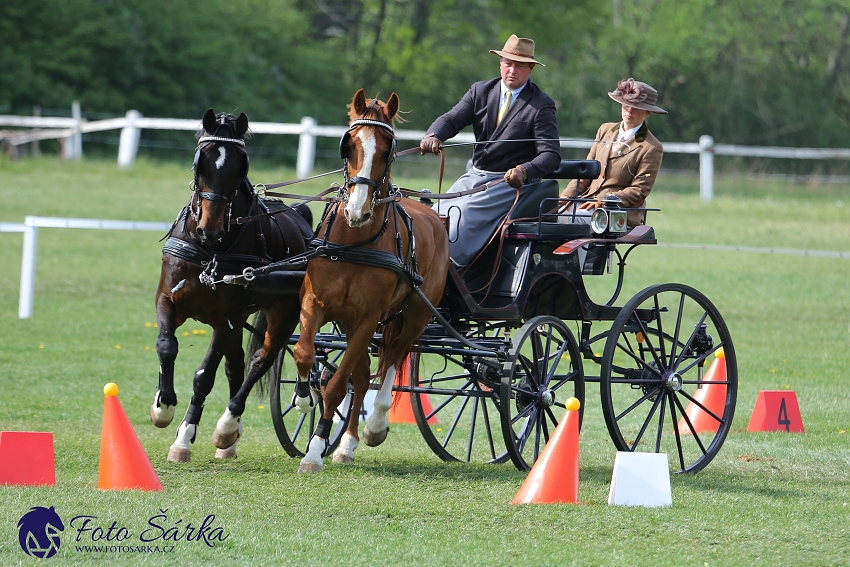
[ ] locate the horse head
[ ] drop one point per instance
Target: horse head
(221, 165)
(368, 149)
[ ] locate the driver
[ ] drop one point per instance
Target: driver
(507, 108)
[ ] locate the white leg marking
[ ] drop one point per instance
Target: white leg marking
(161, 414)
(345, 452)
(222, 155)
(312, 461)
(361, 191)
(181, 450)
(305, 405)
(228, 424)
(378, 421)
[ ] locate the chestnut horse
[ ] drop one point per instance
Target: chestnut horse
(404, 244)
(223, 229)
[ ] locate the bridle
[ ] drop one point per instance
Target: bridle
(210, 195)
(351, 181)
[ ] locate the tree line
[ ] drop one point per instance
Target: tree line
(743, 71)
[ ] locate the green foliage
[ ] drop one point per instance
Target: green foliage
(745, 71)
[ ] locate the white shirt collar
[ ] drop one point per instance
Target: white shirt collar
(627, 134)
(514, 92)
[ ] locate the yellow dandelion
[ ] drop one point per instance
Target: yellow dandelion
(155, 326)
(147, 348)
(261, 407)
(196, 332)
(773, 369)
(148, 324)
(842, 431)
(40, 346)
(185, 333)
(118, 347)
(787, 386)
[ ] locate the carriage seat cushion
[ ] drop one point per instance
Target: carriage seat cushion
(528, 205)
(576, 169)
(548, 231)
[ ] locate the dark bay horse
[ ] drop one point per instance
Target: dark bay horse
(223, 229)
(389, 231)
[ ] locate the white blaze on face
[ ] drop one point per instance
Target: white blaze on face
(361, 192)
(222, 154)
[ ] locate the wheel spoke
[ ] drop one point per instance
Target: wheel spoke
(660, 423)
(678, 328)
(638, 402)
(690, 426)
(455, 422)
(646, 422)
(471, 435)
(660, 330)
(690, 340)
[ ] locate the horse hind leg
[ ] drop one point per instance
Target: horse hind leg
(229, 427)
(378, 424)
(181, 450)
(350, 439)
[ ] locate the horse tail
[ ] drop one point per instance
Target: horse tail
(256, 338)
(389, 334)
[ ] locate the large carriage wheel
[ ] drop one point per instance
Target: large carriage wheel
(543, 371)
(458, 416)
(294, 429)
(656, 393)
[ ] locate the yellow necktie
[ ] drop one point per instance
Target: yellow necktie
(505, 107)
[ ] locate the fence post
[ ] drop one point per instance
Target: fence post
(306, 148)
(73, 146)
(27, 293)
(128, 145)
(706, 168)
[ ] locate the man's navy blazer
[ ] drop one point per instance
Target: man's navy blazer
(532, 116)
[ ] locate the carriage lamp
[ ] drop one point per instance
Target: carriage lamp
(610, 216)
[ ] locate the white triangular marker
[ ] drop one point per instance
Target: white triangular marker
(640, 479)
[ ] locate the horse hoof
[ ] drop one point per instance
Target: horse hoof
(224, 440)
(310, 468)
(229, 453)
(374, 439)
(342, 458)
(161, 416)
(179, 455)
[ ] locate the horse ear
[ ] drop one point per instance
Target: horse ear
(241, 125)
(358, 103)
(209, 121)
(392, 106)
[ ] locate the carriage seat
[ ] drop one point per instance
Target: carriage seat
(529, 205)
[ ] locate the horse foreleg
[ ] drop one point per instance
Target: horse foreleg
(358, 342)
(180, 450)
(304, 399)
(165, 399)
(350, 439)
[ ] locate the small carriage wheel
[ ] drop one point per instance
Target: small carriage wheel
(543, 371)
(660, 392)
(293, 428)
(457, 414)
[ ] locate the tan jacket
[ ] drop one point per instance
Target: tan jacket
(630, 176)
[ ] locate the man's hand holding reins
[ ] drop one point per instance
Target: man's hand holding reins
(516, 177)
(430, 144)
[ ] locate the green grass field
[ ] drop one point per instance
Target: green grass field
(766, 499)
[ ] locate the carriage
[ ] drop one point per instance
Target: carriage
(499, 360)
(494, 356)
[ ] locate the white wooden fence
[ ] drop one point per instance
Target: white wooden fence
(71, 130)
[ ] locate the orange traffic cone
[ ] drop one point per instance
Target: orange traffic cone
(712, 396)
(26, 458)
(123, 462)
(402, 410)
(554, 477)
